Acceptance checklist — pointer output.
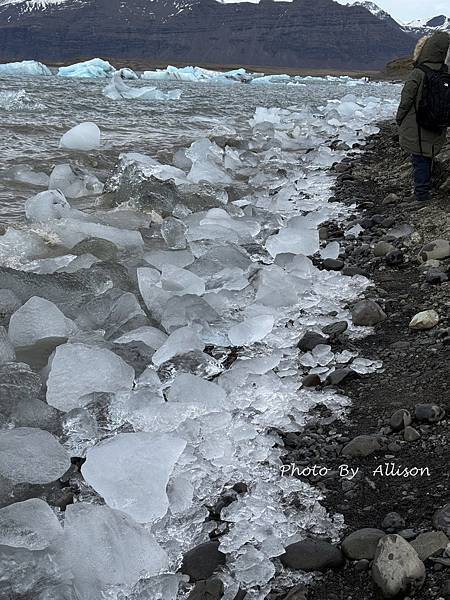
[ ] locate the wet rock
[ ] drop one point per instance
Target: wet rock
(339, 376)
(212, 589)
(311, 380)
(362, 565)
(397, 568)
(312, 555)
(424, 320)
(201, 562)
(333, 264)
(352, 271)
(310, 340)
(434, 277)
(411, 435)
(367, 313)
(102, 249)
(393, 522)
(430, 543)
(362, 544)
(435, 250)
(335, 329)
(400, 419)
(382, 248)
(363, 445)
(429, 412)
(441, 519)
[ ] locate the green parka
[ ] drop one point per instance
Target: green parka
(433, 55)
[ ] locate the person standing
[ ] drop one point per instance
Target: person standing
(422, 138)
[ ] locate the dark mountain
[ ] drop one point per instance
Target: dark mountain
(302, 33)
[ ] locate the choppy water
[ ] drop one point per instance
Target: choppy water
(35, 112)
(247, 293)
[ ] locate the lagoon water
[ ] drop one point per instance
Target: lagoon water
(164, 352)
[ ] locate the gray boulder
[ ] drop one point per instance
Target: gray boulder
(430, 543)
(361, 446)
(201, 562)
(396, 568)
(367, 313)
(362, 544)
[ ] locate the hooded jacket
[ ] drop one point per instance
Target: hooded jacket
(433, 55)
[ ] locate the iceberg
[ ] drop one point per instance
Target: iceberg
(129, 74)
(25, 174)
(85, 136)
(29, 455)
(197, 74)
(24, 69)
(95, 67)
(119, 90)
(78, 370)
(46, 206)
(131, 471)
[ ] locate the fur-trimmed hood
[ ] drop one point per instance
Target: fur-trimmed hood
(432, 49)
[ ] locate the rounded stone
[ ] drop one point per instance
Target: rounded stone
(367, 313)
(393, 522)
(311, 380)
(362, 544)
(435, 250)
(382, 248)
(362, 446)
(312, 555)
(335, 329)
(400, 419)
(202, 561)
(411, 435)
(310, 340)
(429, 412)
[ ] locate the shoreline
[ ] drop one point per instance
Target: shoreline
(415, 378)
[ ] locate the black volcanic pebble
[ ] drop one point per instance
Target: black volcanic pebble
(335, 329)
(333, 264)
(310, 340)
(201, 562)
(312, 555)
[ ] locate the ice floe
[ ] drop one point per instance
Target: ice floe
(119, 90)
(24, 69)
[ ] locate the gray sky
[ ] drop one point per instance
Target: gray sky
(408, 10)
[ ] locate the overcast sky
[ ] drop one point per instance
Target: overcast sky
(408, 10)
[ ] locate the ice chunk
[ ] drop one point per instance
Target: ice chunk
(31, 524)
(181, 282)
(108, 550)
(190, 388)
(24, 68)
(251, 330)
(29, 455)
(96, 67)
(25, 174)
(85, 136)
(275, 288)
(7, 352)
(39, 320)
(331, 250)
(162, 258)
(150, 336)
(185, 310)
(173, 232)
(119, 90)
(126, 73)
(79, 431)
(131, 472)
(300, 236)
(114, 311)
(207, 162)
(47, 205)
(74, 184)
(78, 370)
(179, 342)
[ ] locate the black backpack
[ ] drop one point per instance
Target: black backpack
(433, 112)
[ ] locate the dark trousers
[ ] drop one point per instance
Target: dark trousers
(422, 166)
